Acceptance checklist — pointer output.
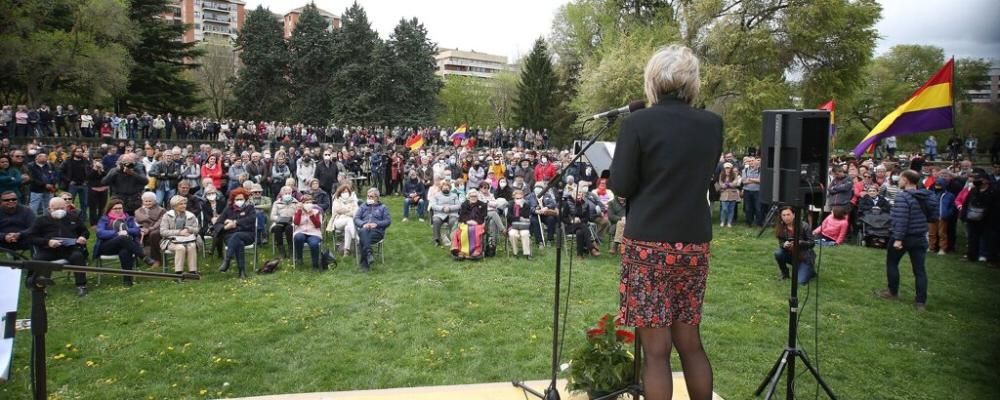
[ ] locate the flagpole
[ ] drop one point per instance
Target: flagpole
(954, 100)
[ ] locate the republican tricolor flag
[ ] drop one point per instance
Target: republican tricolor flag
(927, 109)
(831, 106)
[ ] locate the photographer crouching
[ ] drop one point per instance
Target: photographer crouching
(127, 183)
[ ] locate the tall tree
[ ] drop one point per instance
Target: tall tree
(536, 92)
(158, 82)
(352, 86)
(67, 51)
(464, 99)
(748, 49)
(215, 73)
(409, 82)
(261, 86)
(310, 52)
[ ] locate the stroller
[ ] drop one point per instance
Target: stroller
(874, 229)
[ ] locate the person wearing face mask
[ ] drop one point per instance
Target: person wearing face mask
(282, 212)
(476, 174)
(467, 240)
(326, 172)
(212, 205)
(60, 235)
(345, 207)
(308, 222)
(371, 221)
(176, 227)
(148, 217)
(519, 224)
(305, 171)
(445, 212)
(235, 228)
(504, 191)
(544, 171)
(575, 214)
(415, 196)
(497, 167)
(979, 205)
(119, 234)
(547, 212)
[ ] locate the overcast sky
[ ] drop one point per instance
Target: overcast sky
(965, 28)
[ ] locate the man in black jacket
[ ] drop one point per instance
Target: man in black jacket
(42, 184)
(60, 235)
(74, 175)
(326, 172)
(14, 218)
(127, 182)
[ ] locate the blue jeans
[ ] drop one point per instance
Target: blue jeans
(39, 202)
(917, 248)
(299, 242)
(727, 210)
(81, 192)
(163, 197)
(420, 207)
(784, 257)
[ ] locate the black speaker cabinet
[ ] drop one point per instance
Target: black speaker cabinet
(795, 148)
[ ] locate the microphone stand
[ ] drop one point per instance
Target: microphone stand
(39, 279)
(552, 392)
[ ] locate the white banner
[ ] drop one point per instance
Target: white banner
(10, 286)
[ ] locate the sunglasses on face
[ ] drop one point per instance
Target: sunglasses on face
(8, 200)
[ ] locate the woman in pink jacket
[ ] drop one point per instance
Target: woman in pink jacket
(834, 229)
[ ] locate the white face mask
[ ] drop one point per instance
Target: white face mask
(240, 203)
(519, 201)
(58, 214)
(287, 198)
(211, 197)
(503, 184)
(345, 195)
(538, 191)
(327, 158)
(371, 201)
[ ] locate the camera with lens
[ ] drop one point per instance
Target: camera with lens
(128, 166)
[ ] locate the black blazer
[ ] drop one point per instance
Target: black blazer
(663, 164)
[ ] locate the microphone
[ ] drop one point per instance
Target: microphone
(630, 108)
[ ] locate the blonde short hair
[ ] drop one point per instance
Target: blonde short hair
(177, 199)
(672, 68)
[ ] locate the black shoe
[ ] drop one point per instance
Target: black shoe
(81, 291)
(371, 258)
(225, 265)
(365, 268)
(243, 274)
(782, 277)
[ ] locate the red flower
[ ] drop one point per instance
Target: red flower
(625, 336)
(594, 332)
(604, 321)
(643, 254)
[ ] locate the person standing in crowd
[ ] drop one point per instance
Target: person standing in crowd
(751, 193)
(666, 245)
(118, 234)
(212, 169)
(945, 199)
(279, 172)
(126, 182)
(42, 184)
(910, 213)
(74, 174)
(97, 198)
(60, 235)
(841, 190)
(930, 148)
(167, 174)
(371, 221)
(971, 144)
(981, 214)
(326, 172)
(728, 185)
(784, 230)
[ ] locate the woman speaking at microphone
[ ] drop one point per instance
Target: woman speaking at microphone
(664, 164)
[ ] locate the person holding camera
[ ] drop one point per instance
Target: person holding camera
(126, 183)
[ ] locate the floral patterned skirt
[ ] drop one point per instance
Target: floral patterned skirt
(662, 283)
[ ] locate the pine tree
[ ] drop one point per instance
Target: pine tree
(537, 91)
(411, 65)
(157, 82)
(310, 51)
(261, 88)
(354, 60)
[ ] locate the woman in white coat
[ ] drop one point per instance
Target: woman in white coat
(345, 205)
(179, 232)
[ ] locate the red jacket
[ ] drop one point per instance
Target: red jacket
(545, 172)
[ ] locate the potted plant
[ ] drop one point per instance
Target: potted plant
(603, 363)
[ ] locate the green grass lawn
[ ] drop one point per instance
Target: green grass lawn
(422, 319)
